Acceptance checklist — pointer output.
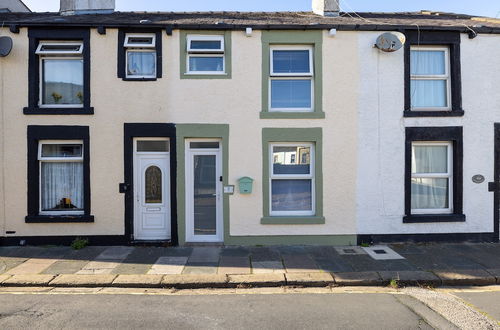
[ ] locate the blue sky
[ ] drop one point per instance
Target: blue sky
(477, 7)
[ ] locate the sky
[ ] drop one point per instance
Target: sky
(489, 8)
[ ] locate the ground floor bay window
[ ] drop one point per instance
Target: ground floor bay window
(58, 174)
(433, 174)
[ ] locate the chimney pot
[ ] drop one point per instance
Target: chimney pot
(329, 8)
(79, 7)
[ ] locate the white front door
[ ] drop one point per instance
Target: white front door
(204, 190)
(151, 189)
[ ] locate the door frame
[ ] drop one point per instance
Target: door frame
(147, 130)
(496, 184)
(190, 236)
(165, 177)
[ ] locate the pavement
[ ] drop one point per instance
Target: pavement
(431, 265)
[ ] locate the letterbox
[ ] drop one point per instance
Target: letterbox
(245, 185)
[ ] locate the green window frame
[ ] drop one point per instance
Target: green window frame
(296, 135)
(293, 38)
(184, 54)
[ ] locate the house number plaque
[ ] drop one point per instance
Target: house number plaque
(478, 178)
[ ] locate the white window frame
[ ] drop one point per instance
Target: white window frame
(291, 76)
(446, 77)
(205, 53)
(39, 50)
(448, 175)
(311, 176)
(42, 159)
(129, 44)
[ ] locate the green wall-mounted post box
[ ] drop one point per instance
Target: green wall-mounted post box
(245, 185)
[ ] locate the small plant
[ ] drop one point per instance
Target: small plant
(80, 96)
(394, 283)
(364, 244)
(57, 97)
(79, 243)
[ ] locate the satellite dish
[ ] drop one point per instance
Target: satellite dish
(5, 46)
(390, 41)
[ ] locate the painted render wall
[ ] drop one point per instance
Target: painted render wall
(235, 101)
(380, 185)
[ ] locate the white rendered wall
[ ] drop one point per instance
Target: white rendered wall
(380, 186)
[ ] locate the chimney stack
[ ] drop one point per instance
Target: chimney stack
(329, 8)
(81, 7)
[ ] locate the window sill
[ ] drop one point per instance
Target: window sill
(292, 115)
(305, 220)
(139, 79)
(432, 218)
(451, 113)
(58, 111)
(58, 218)
(205, 76)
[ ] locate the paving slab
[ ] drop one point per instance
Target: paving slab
(331, 265)
(168, 265)
(138, 281)
(265, 267)
(115, 253)
(299, 264)
(176, 251)
(65, 267)
(309, 279)
(7, 263)
(200, 268)
(87, 253)
(397, 265)
(31, 266)
(358, 279)
(234, 265)
(466, 277)
(205, 254)
(56, 252)
(264, 254)
(363, 263)
(258, 280)
(74, 280)
(239, 251)
(28, 280)
(192, 281)
(98, 267)
(4, 277)
(410, 277)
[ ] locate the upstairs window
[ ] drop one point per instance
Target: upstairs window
(291, 78)
(430, 78)
(140, 55)
(61, 74)
(205, 54)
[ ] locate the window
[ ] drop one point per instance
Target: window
(430, 78)
(205, 54)
(291, 78)
(61, 66)
(140, 55)
(432, 74)
(292, 185)
(59, 72)
(58, 174)
(292, 176)
(61, 177)
(431, 177)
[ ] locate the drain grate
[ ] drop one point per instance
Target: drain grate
(349, 250)
(382, 252)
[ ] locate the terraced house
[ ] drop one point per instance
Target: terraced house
(248, 128)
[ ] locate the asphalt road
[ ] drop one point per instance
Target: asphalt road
(227, 311)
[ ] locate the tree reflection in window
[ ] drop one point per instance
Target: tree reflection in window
(153, 185)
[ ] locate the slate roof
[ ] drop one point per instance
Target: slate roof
(263, 20)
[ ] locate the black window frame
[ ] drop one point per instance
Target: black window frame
(37, 133)
(448, 39)
(122, 50)
(35, 35)
(453, 134)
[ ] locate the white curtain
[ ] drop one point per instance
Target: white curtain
(141, 63)
(428, 93)
(61, 180)
(429, 193)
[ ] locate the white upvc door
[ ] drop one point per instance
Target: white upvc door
(204, 191)
(151, 192)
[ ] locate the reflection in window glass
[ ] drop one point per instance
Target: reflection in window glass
(204, 145)
(291, 195)
(206, 63)
(285, 160)
(141, 63)
(62, 81)
(62, 150)
(291, 61)
(290, 93)
(205, 44)
(152, 146)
